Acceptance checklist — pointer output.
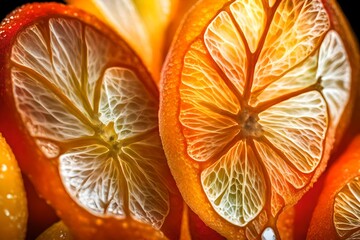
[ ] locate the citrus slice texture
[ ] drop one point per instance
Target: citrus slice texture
(252, 96)
(87, 110)
(57, 231)
(13, 204)
(337, 212)
(142, 24)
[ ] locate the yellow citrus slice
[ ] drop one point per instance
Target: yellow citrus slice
(143, 24)
(337, 212)
(57, 231)
(13, 204)
(88, 111)
(253, 94)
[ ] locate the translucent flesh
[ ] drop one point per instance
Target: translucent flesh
(257, 103)
(347, 210)
(57, 231)
(142, 23)
(85, 108)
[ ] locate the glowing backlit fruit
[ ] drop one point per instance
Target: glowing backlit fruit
(142, 23)
(13, 205)
(253, 96)
(81, 114)
(337, 213)
(57, 231)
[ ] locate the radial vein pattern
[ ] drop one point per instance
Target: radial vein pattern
(259, 102)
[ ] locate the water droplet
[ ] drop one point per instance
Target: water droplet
(9, 196)
(7, 212)
(3, 167)
(268, 234)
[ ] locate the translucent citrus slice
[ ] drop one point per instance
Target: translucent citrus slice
(13, 204)
(87, 110)
(337, 212)
(253, 93)
(142, 23)
(57, 231)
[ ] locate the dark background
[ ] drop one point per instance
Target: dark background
(351, 11)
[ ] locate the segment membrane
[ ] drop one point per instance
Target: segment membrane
(202, 85)
(295, 31)
(61, 77)
(98, 58)
(250, 16)
(67, 57)
(148, 195)
(45, 114)
(204, 98)
(226, 47)
(126, 102)
(347, 210)
(206, 132)
(297, 128)
(335, 73)
(235, 185)
(298, 78)
(92, 177)
(285, 179)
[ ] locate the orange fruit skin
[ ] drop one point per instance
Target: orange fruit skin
(42, 172)
(185, 170)
(342, 171)
(199, 230)
(13, 202)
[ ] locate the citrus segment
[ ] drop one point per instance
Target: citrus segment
(235, 185)
(13, 203)
(209, 89)
(92, 178)
(301, 138)
(347, 210)
(242, 12)
(284, 179)
(296, 29)
(143, 24)
(334, 71)
(224, 43)
(129, 107)
(301, 77)
(254, 138)
(88, 111)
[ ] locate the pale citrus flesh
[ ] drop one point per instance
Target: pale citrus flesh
(142, 23)
(13, 204)
(89, 106)
(347, 210)
(261, 92)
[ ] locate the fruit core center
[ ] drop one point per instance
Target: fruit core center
(108, 134)
(249, 125)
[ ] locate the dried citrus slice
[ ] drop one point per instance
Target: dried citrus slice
(337, 212)
(13, 204)
(254, 94)
(81, 113)
(142, 23)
